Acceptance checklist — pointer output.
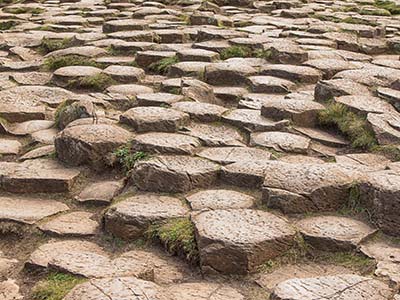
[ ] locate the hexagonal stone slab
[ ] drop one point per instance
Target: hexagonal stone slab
(332, 233)
(117, 288)
(228, 74)
(252, 120)
(201, 112)
(227, 155)
(301, 74)
(380, 194)
(206, 290)
(301, 112)
(37, 176)
(89, 144)
(219, 199)
(165, 143)
(173, 174)
(130, 218)
(269, 84)
(28, 210)
(125, 74)
(156, 99)
(296, 188)
(143, 119)
(101, 192)
(341, 287)
(387, 256)
(215, 134)
(281, 141)
(77, 223)
(9, 147)
(66, 75)
(256, 237)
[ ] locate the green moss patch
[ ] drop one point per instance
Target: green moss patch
(55, 286)
(162, 66)
(54, 63)
(177, 236)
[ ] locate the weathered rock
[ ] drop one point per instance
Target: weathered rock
(215, 135)
(144, 119)
(174, 174)
(228, 73)
(156, 99)
(101, 192)
(9, 290)
(332, 233)
(165, 143)
(9, 147)
(327, 89)
(37, 176)
(270, 84)
(219, 199)
(77, 110)
(201, 112)
(386, 127)
(387, 257)
(293, 73)
(197, 291)
(257, 237)
(28, 210)
(343, 287)
(281, 141)
(117, 288)
(130, 218)
(227, 155)
(89, 144)
(296, 188)
(301, 112)
(380, 193)
(72, 224)
(73, 75)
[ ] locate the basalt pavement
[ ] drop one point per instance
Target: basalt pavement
(176, 150)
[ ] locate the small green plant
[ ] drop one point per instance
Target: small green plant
(178, 237)
(96, 82)
(54, 63)
(6, 25)
(390, 6)
(353, 205)
(236, 51)
(127, 158)
(56, 286)
(59, 110)
(350, 124)
(351, 20)
(349, 260)
(50, 45)
(162, 66)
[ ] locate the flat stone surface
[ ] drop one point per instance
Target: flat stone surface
(227, 155)
(37, 176)
(252, 120)
(174, 174)
(9, 147)
(334, 233)
(130, 218)
(299, 187)
(200, 112)
(28, 210)
(165, 143)
(387, 257)
(9, 290)
(257, 237)
(213, 291)
(219, 199)
(117, 288)
(281, 141)
(101, 192)
(71, 224)
(215, 135)
(343, 287)
(143, 119)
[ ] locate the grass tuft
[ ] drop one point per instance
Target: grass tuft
(59, 110)
(96, 82)
(50, 45)
(6, 25)
(127, 158)
(162, 66)
(390, 6)
(23, 10)
(350, 124)
(236, 51)
(55, 286)
(54, 63)
(178, 237)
